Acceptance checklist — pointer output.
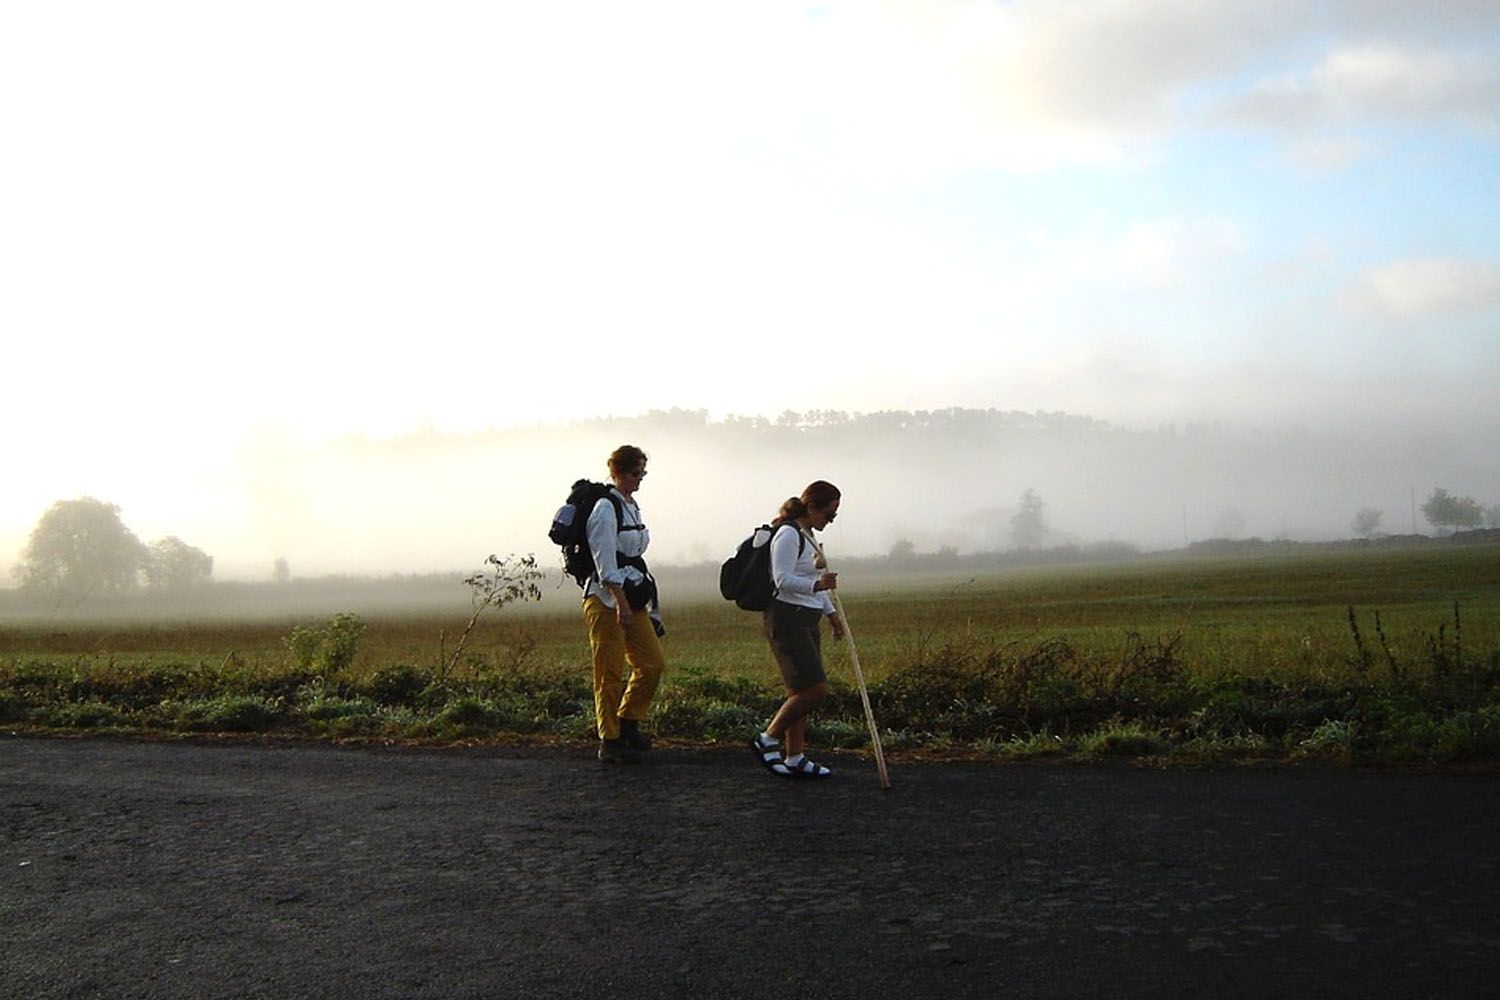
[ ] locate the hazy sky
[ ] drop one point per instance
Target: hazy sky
(222, 224)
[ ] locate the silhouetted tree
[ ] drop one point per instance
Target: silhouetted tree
(903, 551)
(1492, 516)
(282, 571)
(80, 548)
(174, 565)
(1367, 522)
(1028, 526)
(1443, 510)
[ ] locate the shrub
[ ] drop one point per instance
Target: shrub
(84, 715)
(1341, 739)
(1121, 740)
(467, 715)
(841, 733)
(12, 708)
(727, 720)
(677, 715)
(343, 716)
(231, 714)
(399, 685)
(1462, 735)
(326, 708)
(329, 648)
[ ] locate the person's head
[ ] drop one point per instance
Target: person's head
(816, 507)
(627, 467)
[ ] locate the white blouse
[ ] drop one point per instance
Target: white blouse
(605, 539)
(795, 574)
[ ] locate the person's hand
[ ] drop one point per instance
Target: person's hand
(828, 581)
(623, 610)
(837, 624)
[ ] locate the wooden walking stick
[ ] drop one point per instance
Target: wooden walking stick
(859, 676)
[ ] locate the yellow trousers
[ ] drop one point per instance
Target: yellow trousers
(615, 697)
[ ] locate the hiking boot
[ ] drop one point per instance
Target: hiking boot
(631, 735)
(618, 752)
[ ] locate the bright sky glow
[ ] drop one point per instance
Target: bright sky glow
(311, 219)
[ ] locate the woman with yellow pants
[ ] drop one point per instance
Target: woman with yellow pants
(620, 608)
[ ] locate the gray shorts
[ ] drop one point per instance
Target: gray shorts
(796, 636)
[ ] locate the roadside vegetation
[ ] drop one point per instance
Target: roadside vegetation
(1389, 655)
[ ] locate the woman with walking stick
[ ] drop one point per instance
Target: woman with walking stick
(802, 584)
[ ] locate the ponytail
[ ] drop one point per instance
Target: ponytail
(819, 494)
(793, 508)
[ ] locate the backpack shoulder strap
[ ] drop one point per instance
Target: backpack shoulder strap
(801, 538)
(619, 506)
(609, 491)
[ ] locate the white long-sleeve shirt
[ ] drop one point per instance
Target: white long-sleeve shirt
(795, 574)
(605, 540)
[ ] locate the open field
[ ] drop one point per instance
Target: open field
(1380, 654)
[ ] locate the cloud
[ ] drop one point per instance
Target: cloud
(1118, 66)
(913, 89)
(1413, 289)
(903, 90)
(1380, 82)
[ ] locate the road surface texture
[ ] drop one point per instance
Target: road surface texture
(137, 869)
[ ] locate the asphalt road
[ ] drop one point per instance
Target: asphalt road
(132, 869)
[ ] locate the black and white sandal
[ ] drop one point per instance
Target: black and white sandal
(768, 752)
(805, 768)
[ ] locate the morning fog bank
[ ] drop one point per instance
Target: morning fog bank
(922, 481)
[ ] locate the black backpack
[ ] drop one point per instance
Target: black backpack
(570, 527)
(745, 577)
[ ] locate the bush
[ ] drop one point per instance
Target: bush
(1334, 737)
(729, 720)
(12, 708)
(230, 714)
(843, 734)
(399, 685)
(84, 715)
(329, 648)
(467, 715)
(1462, 735)
(343, 716)
(326, 708)
(1121, 740)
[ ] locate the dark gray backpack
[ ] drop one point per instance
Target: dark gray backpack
(745, 577)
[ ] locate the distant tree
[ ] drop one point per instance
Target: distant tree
(80, 548)
(1492, 516)
(903, 551)
(1028, 526)
(173, 565)
(1367, 522)
(1444, 510)
(282, 571)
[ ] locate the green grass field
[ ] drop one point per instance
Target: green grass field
(1359, 655)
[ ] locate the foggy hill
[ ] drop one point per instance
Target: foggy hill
(947, 478)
